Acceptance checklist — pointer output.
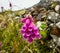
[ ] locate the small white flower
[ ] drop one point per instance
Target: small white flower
(51, 24)
(50, 46)
(57, 14)
(58, 24)
(59, 39)
(57, 7)
(49, 17)
(54, 40)
(17, 17)
(39, 25)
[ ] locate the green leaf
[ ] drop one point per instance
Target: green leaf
(43, 25)
(43, 33)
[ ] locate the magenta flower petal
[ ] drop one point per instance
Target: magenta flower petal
(24, 27)
(28, 22)
(31, 18)
(25, 36)
(33, 35)
(38, 36)
(22, 31)
(26, 16)
(29, 30)
(36, 31)
(30, 40)
(23, 20)
(31, 25)
(35, 28)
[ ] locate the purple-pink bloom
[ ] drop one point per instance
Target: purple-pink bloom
(2, 7)
(29, 30)
(10, 4)
(30, 39)
(0, 45)
(23, 20)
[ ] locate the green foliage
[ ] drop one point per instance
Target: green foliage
(12, 41)
(43, 33)
(43, 26)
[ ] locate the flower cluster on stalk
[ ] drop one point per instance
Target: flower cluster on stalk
(29, 30)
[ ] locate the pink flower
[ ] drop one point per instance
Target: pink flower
(29, 30)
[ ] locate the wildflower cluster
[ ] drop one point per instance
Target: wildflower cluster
(29, 30)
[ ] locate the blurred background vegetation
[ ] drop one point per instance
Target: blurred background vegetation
(11, 40)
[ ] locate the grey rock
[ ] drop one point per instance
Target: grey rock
(54, 17)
